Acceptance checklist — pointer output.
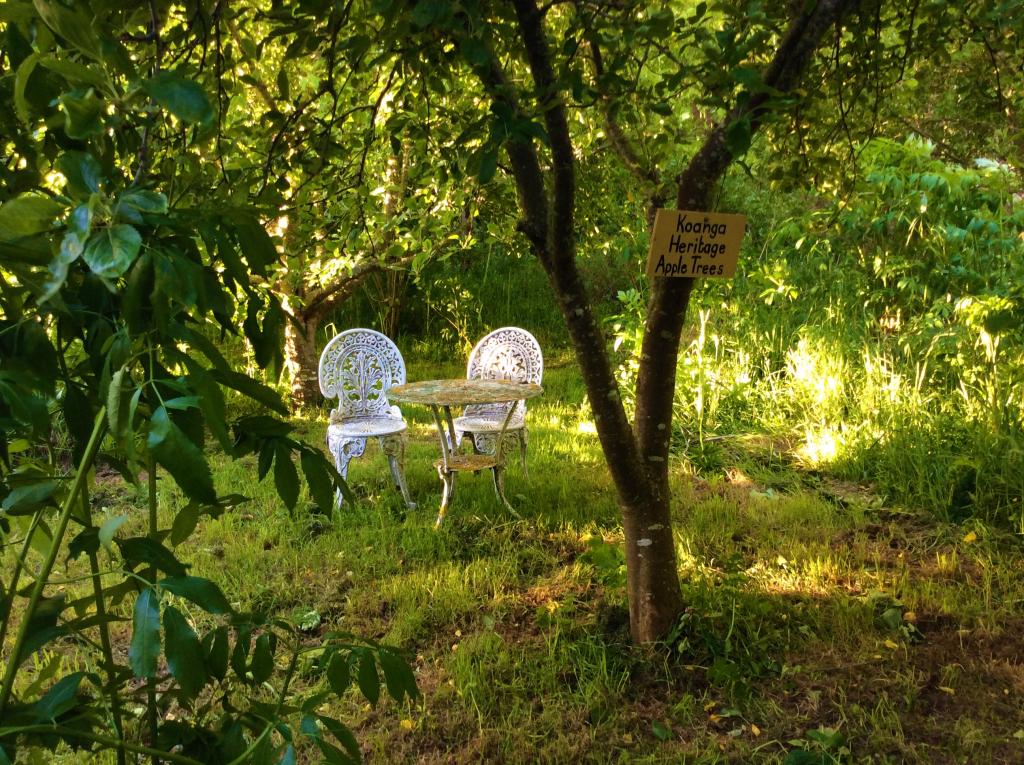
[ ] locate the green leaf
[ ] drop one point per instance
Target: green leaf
(202, 592)
(211, 401)
(21, 77)
(321, 488)
(181, 403)
(78, 227)
(29, 497)
(109, 529)
(216, 643)
(145, 646)
(286, 479)
(331, 753)
(82, 171)
(59, 699)
(338, 675)
(738, 136)
(27, 214)
(660, 732)
(180, 96)
(145, 201)
(427, 12)
(240, 652)
(255, 243)
(117, 404)
(83, 114)
(185, 523)
(143, 550)
(43, 626)
(182, 458)
(79, 417)
(369, 682)
(343, 735)
(86, 541)
(475, 51)
(263, 426)
(282, 84)
(184, 654)
(262, 659)
(75, 73)
(828, 738)
(73, 26)
(135, 304)
(248, 387)
(488, 165)
(111, 252)
(398, 676)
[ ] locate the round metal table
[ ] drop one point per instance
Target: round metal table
(443, 395)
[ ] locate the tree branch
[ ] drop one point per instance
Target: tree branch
(331, 297)
(656, 377)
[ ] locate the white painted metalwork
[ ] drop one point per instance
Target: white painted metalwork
(359, 367)
(509, 353)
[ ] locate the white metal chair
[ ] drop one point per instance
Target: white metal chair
(359, 366)
(509, 353)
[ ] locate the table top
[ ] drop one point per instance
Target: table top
(460, 392)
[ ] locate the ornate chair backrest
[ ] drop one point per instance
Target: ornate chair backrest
(509, 353)
(359, 366)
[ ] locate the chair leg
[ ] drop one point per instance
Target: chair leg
(522, 437)
(393, 447)
(447, 492)
(344, 451)
(481, 445)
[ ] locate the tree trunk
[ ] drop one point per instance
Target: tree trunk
(655, 598)
(301, 360)
(638, 461)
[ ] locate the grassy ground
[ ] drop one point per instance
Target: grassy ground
(820, 617)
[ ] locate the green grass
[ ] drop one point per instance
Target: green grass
(517, 630)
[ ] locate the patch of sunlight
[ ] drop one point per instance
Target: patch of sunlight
(818, 375)
(821, 446)
(819, 575)
(587, 426)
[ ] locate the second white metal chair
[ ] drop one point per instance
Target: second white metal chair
(509, 353)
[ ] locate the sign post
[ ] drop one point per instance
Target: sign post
(695, 245)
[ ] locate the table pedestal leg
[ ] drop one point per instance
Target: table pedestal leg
(448, 480)
(498, 474)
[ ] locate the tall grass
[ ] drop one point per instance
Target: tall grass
(882, 332)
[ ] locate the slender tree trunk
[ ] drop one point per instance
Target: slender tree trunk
(652, 581)
(638, 461)
(301, 360)
(655, 598)
(390, 286)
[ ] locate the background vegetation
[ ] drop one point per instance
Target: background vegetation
(195, 200)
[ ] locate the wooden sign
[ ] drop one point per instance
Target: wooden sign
(695, 244)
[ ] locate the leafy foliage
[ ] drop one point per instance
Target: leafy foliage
(120, 275)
